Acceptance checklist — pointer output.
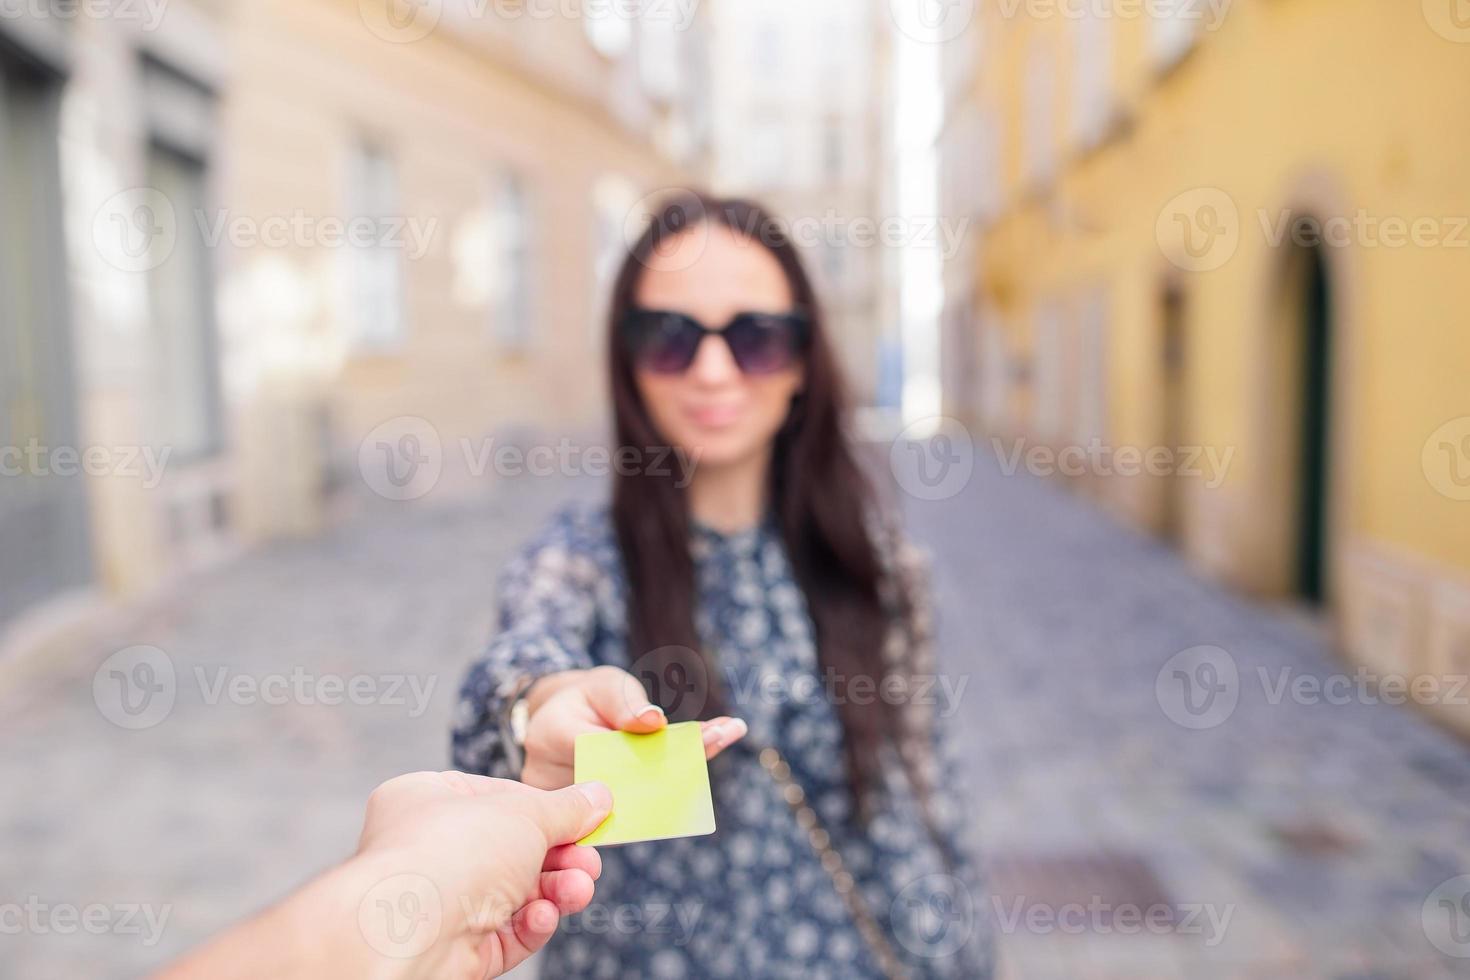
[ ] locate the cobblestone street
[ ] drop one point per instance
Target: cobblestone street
(1281, 839)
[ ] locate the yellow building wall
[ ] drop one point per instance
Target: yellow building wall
(1318, 106)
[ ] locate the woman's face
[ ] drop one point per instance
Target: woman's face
(712, 411)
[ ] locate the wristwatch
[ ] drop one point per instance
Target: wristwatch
(516, 720)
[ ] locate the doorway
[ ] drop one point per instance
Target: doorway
(1174, 409)
(1314, 414)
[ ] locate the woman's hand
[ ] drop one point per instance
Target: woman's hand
(600, 699)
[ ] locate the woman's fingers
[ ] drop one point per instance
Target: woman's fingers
(721, 733)
(621, 702)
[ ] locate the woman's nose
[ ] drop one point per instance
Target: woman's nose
(713, 362)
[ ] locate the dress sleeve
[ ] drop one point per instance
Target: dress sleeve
(547, 613)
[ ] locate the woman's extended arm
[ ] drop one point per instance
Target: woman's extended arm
(543, 655)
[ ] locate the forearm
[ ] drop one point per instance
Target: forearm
(313, 933)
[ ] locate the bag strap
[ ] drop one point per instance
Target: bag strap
(842, 880)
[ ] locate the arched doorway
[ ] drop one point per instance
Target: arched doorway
(1314, 414)
(1297, 510)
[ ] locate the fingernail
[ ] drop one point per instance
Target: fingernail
(738, 728)
(597, 794)
(651, 712)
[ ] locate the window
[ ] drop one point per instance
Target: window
(1039, 126)
(43, 519)
(1175, 29)
(1092, 81)
(181, 300)
(766, 163)
(510, 229)
(376, 307)
(658, 55)
(1092, 381)
(833, 147)
(1049, 372)
(617, 221)
(609, 30)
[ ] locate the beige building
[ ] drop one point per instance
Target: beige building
(279, 224)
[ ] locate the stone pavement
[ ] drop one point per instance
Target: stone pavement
(1273, 839)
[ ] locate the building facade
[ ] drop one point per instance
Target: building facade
(241, 237)
(798, 100)
(1221, 254)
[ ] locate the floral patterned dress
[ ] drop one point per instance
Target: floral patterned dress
(753, 899)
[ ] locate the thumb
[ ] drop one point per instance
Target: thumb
(567, 815)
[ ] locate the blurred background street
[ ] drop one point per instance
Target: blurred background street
(1152, 313)
(1284, 839)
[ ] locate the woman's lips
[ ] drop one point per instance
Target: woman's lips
(714, 416)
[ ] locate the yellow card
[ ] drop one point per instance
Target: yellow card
(659, 783)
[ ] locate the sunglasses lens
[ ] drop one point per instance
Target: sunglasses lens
(763, 344)
(663, 343)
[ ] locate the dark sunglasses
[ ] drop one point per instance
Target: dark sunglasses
(665, 342)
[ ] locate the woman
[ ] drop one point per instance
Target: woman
(762, 595)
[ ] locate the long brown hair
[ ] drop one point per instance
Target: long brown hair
(819, 498)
